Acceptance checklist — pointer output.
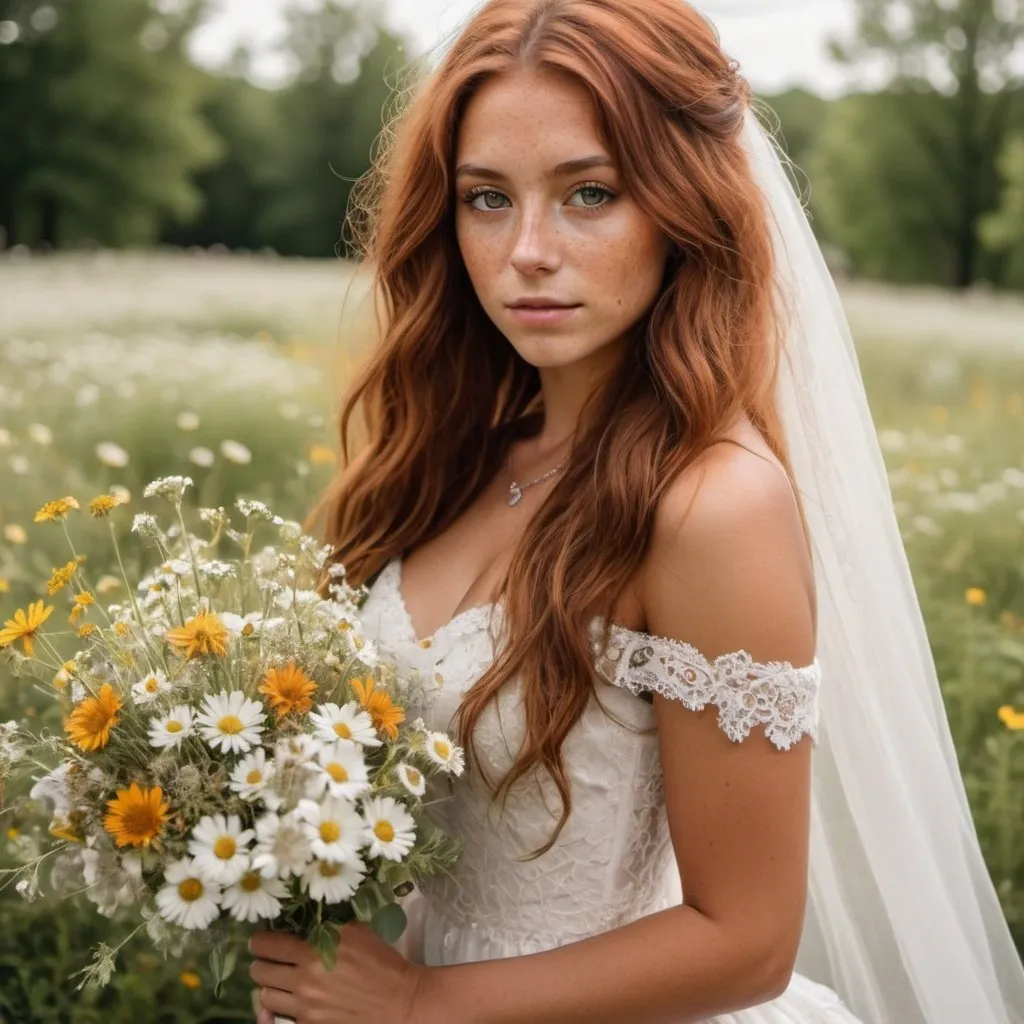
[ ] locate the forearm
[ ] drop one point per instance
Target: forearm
(675, 966)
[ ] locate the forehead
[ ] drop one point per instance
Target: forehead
(530, 118)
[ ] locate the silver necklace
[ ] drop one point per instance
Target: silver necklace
(516, 490)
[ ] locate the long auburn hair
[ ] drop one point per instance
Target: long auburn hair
(443, 392)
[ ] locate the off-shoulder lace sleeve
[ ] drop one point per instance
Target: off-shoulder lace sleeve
(747, 694)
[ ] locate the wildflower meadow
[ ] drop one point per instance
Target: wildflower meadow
(118, 369)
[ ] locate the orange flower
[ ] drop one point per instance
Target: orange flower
(25, 625)
(203, 634)
(386, 715)
(92, 719)
(55, 510)
(136, 816)
(288, 689)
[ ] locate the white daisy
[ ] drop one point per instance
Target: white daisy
(253, 897)
(443, 752)
(282, 846)
(391, 829)
(412, 778)
(334, 827)
(150, 687)
(170, 729)
(347, 722)
(250, 776)
(298, 749)
(231, 722)
(187, 899)
(333, 883)
(341, 771)
(220, 848)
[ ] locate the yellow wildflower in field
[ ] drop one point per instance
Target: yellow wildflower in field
(386, 715)
(975, 596)
(86, 629)
(15, 534)
(25, 625)
(288, 689)
(122, 629)
(190, 979)
(136, 816)
(55, 510)
(5, 585)
(1011, 717)
(82, 601)
(321, 455)
(203, 634)
(104, 505)
(60, 578)
(92, 719)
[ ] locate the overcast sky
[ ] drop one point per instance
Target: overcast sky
(778, 42)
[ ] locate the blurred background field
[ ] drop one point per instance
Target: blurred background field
(170, 303)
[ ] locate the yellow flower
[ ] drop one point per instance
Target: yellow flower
(55, 510)
(190, 979)
(64, 828)
(25, 625)
(5, 586)
(60, 578)
(122, 629)
(86, 629)
(386, 716)
(82, 601)
(136, 816)
(203, 634)
(15, 534)
(92, 719)
(104, 505)
(288, 689)
(1011, 718)
(975, 596)
(321, 455)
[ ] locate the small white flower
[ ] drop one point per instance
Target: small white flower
(148, 689)
(187, 421)
(282, 846)
(297, 749)
(230, 722)
(334, 828)
(254, 508)
(333, 883)
(390, 827)
(187, 899)
(342, 771)
(122, 493)
(235, 451)
(290, 410)
(111, 454)
(216, 570)
(40, 433)
(170, 487)
(113, 880)
(220, 848)
(145, 525)
(412, 778)
(53, 786)
(253, 897)
(347, 722)
(172, 728)
(20, 466)
(443, 752)
(249, 778)
(202, 457)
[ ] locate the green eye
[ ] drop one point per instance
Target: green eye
(491, 200)
(591, 196)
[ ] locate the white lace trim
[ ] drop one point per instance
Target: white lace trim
(747, 694)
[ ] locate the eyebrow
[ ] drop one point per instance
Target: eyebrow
(561, 171)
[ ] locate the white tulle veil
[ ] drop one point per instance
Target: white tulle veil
(903, 918)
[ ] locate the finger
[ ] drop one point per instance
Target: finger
(273, 1001)
(265, 1017)
(279, 946)
(270, 975)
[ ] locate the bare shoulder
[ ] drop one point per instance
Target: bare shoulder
(728, 567)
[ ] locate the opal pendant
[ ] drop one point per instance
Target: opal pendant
(516, 495)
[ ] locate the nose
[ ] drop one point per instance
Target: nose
(536, 249)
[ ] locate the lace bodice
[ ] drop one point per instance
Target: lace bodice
(613, 861)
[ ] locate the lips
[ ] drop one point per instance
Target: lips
(542, 312)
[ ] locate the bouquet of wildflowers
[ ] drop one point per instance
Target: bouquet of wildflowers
(233, 751)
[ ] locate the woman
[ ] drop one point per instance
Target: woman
(599, 441)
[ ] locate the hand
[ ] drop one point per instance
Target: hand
(370, 981)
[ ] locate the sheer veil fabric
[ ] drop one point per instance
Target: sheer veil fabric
(903, 918)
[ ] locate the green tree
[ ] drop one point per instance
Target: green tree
(99, 118)
(952, 68)
(1003, 230)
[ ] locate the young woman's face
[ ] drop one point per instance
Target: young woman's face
(562, 258)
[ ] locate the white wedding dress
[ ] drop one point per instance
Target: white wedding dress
(613, 862)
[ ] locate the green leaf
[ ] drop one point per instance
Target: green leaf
(389, 923)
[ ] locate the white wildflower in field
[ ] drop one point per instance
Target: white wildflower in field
(40, 434)
(347, 722)
(231, 722)
(334, 828)
(390, 828)
(112, 455)
(170, 487)
(202, 457)
(440, 749)
(151, 686)
(342, 771)
(187, 420)
(235, 451)
(171, 729)
(282, 846)
(187, 899)
(220, 848)
(412, 778)
(254, 897)
(250, 776)
(333, 882)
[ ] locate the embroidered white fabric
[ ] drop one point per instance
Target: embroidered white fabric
(614, 861)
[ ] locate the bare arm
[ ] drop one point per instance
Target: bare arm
(727, 571)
